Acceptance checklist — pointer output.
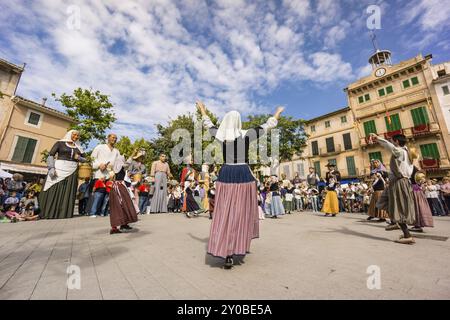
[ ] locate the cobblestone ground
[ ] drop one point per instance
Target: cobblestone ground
(299, 256)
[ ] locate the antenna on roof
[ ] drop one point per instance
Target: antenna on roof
(373, 37)
(44, 100)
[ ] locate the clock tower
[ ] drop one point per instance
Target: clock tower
(380, 60)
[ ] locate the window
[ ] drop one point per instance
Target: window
(384, 91)
(406, 84)
(315, 148)
(351, 168)
(347, 141)
(301, 169)
(369, 127)
(445, 90)
(344, 119)
(317, 167)
(24, 150)
(420, 116)
(333, 161)
(430, 151)
(287, 171)
(330, 144)
(327, 124)
(313, 128)
(394, 123)
(34, 118)
(375, 156)
(441, 73)
(364, 98)
(389, 90)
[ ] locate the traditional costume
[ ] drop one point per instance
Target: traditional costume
(235, 221)
(57, 199)
(331, 203)
(276, 204)
(378, 186)
(160, 171)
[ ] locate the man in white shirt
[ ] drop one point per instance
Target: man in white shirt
(105, 155)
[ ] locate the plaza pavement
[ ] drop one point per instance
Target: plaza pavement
(300, 256)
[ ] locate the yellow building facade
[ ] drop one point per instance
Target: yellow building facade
(398, 99)
(27, 128)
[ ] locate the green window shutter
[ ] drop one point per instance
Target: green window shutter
(420, 116)
(395, 123)
(367, 97)
(415, 81)
(369, 127)
(29, 151)
(347, 141)
(317, 167)
(381, 92)
(315, 148)
(430, 151)
(389, 89)
(333, 161)
(19, 151)
(330, 144)
(406, 84)
(445, 90)
(34, 118)
(375, 156)
(351, 168)
(361, 99)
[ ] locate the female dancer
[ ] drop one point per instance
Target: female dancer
(235, 221)
(380, 175)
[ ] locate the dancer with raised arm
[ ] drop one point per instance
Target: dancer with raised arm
(398, 199)
(236, 220)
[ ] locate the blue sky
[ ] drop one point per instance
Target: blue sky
(155, 58)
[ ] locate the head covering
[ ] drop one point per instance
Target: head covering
(381, 168)
(68, 138)
(231, 127)
(330, 165)
(140, 153)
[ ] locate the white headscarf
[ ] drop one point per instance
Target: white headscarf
(231, 127)
(68, 138)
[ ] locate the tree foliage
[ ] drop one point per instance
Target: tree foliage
(92, 112)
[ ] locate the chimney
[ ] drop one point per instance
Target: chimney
(44, 100)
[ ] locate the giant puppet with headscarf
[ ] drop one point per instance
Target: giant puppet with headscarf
(57, 199)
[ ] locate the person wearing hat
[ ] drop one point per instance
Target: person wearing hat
(331, 203)
(136, 170)
(160, 172)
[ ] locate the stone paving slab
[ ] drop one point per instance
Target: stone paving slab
(299, 256)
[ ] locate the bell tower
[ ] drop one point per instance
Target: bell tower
(381, 57)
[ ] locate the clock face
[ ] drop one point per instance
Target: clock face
(380, 72)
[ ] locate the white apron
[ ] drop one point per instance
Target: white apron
(63, 169)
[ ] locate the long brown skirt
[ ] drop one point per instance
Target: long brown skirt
(373, 210)
(122, 209)
(424, 218)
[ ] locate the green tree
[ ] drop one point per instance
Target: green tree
(92, 112)
(292, 135)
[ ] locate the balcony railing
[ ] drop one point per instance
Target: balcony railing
(430, 164)
(324, 151)
(390, 134)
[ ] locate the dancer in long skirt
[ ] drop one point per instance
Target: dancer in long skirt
(160, 171)
(276, 204)
(57, 199)
(379, 174)
(398, 197)
(331, 203)
(424, 217)
(235, 221)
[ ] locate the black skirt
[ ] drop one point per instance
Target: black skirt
(58, 202)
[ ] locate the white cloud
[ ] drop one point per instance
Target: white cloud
(155, 58)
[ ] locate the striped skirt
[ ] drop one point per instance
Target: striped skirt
(424, 218)
(373, 210)
(236, 220)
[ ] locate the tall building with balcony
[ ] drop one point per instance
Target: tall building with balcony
(27, 128)
(333, 139)
(399, 98)
(441, 89)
